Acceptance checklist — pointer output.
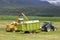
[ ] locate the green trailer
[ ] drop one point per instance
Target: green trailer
(31, 25)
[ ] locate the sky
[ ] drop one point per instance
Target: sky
(53, 1)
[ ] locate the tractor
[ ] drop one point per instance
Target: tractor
(48, 26)
(26, 25)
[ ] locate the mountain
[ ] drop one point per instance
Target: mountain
(23, 3)
(53, 2)
(57, 4)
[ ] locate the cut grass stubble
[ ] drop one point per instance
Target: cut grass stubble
(53, 35)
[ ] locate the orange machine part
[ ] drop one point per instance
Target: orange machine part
(11, 26)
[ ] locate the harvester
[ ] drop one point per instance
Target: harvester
(26, 25)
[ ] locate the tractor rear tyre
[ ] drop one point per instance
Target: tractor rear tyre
(48, 29)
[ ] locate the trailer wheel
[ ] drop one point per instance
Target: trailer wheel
(9, 30)
(17, 30)
(26, 32)
(33, 31)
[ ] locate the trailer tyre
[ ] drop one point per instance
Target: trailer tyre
(33, 31)
(9, 30)
(26, 32)
(17, 30)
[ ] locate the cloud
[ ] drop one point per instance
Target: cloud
(52, 1)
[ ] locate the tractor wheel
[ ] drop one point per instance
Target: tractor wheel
(54, 29)
(48, 29)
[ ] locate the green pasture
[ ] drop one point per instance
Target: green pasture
(31, 18)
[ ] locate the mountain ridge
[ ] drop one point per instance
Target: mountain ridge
(24, 3)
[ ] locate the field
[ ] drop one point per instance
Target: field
(31, 17)
(53, 35)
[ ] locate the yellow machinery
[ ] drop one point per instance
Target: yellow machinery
(12, 26)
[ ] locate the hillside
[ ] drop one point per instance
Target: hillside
(32, 11)
(29, 7)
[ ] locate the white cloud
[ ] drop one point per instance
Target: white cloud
(52, 1)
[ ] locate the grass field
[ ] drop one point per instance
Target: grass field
(53, 35)
(31, 17)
